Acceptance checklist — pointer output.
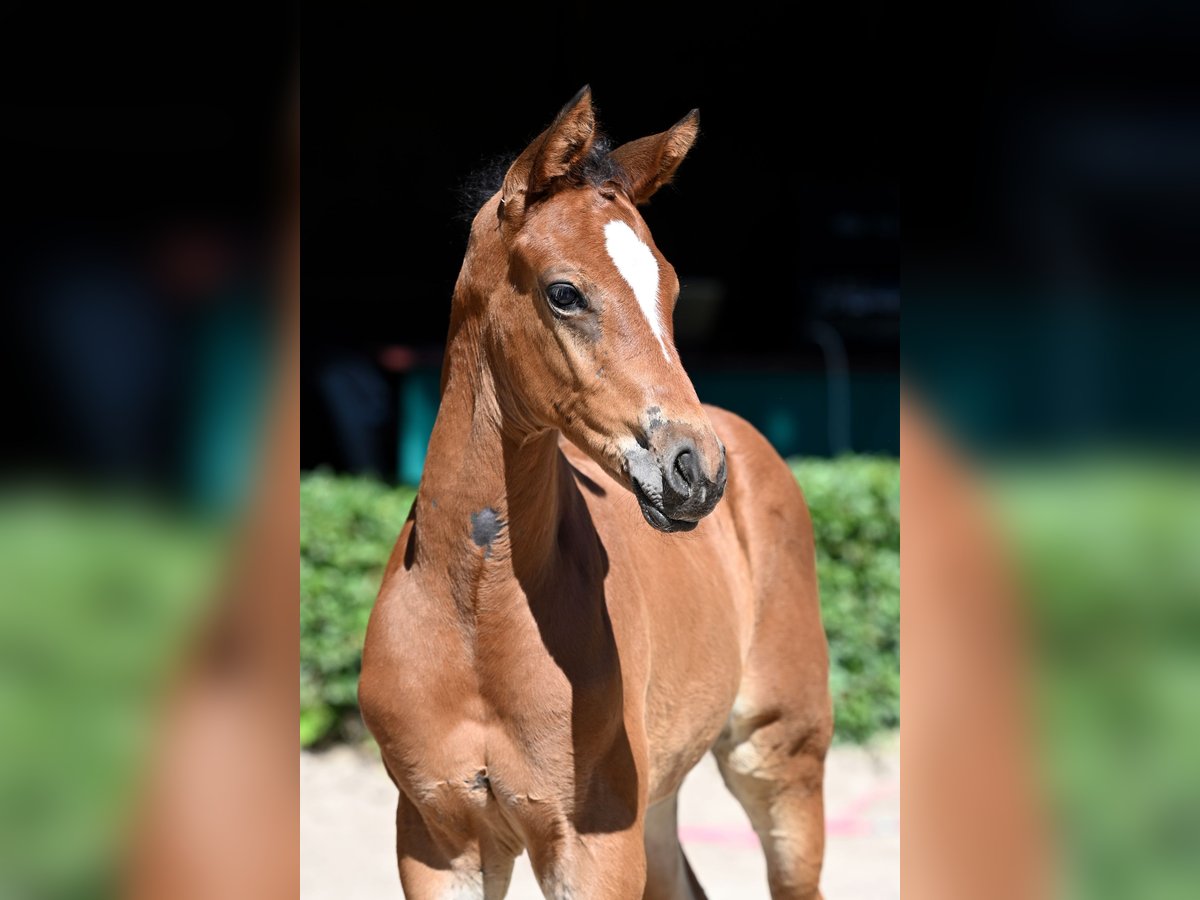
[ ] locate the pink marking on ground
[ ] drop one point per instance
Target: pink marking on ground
(727, 835)
(851, 822)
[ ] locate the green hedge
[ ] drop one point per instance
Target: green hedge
(855, 506)
(348, 526)
(347, 529)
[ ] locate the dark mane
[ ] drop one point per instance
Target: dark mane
(597, 169)
(479, 186)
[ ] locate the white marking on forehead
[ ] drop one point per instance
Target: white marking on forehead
(639, 268)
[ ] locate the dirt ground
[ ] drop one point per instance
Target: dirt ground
(347, 807)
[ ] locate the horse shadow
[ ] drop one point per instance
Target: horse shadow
(568, 600)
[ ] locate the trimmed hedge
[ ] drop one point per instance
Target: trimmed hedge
(855, 506)
(348, 526)
(347, 529)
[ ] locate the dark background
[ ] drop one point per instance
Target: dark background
(787, 208)
(149, 156)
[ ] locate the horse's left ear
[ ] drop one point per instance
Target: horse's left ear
(550, 156)
(650, 162)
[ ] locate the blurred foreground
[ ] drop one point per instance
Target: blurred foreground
(1052, 673)
(150, 339)
(1050, 441)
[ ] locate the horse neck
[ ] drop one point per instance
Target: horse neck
(491, 497)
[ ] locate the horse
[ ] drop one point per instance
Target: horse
(572, 615)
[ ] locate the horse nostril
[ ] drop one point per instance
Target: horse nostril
(681, 466)
(685, 465)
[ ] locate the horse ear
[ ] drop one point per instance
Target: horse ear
(650, 162)
(551, 155)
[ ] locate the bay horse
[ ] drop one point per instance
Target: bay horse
(570, 618)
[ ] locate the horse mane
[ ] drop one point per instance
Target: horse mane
(481, 184)
(597, 168)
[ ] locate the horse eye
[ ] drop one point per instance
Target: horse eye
(565, 297)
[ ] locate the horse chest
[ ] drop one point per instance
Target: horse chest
(494, 725)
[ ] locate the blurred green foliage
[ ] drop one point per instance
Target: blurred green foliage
(1110, 554)
(348, 527)
(100, 595)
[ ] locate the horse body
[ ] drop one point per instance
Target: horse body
(541, 668)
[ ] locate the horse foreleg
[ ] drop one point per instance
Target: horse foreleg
(668, 874)
(441, 865)
(595, 866)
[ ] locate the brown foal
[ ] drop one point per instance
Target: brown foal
(543, 667)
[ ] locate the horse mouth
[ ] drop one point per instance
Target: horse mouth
(658, 519)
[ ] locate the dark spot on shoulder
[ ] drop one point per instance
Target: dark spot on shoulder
(480, 781)
(485, 525)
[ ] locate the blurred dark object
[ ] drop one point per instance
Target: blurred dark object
(357, 414)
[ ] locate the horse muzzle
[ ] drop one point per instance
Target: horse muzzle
(671, 484)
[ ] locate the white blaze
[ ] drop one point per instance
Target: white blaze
(639, 268)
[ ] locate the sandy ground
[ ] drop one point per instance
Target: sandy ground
(346, 830)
